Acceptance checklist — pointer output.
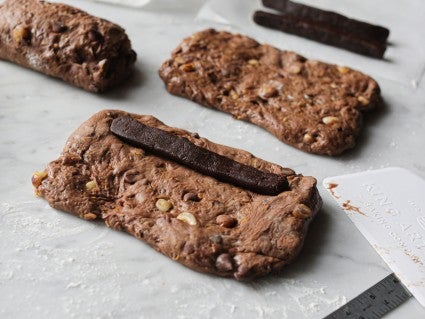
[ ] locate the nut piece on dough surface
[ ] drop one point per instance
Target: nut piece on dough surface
(280, 91)
(224, 230)
(66, 43)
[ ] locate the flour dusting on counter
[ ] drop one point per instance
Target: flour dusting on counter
(92, 266)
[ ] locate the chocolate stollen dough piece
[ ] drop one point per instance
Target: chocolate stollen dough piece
(202, 223)
(332, 19)
(182, 151)
(65, 42)
(320, 32)
(314, 106)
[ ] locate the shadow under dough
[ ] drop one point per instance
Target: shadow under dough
(370, 119)
(316, 238)
(133, 82)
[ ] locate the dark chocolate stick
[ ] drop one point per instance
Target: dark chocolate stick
(361, 29)
(320, 33)
(182, 151)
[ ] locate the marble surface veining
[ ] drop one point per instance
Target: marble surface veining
(53, 265)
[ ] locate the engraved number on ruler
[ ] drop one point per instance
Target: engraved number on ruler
(375, 302)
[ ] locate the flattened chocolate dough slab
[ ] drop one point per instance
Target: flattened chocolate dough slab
(335, 20)
(320, 33)
(311, 105)
(65, 42)
(204, 224)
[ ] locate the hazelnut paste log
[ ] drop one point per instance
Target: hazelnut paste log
(65, 42)
(202, 223)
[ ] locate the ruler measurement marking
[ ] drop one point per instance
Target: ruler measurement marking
(374, 302)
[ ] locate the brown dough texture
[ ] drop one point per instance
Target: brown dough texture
(204, 224)
(66, 43)
(311, 105)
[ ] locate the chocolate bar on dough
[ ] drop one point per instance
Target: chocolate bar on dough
(65, 42)
(202, 222)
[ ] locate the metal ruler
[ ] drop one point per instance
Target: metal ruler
(375, 302)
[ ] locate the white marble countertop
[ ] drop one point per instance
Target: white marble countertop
(53, 265)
